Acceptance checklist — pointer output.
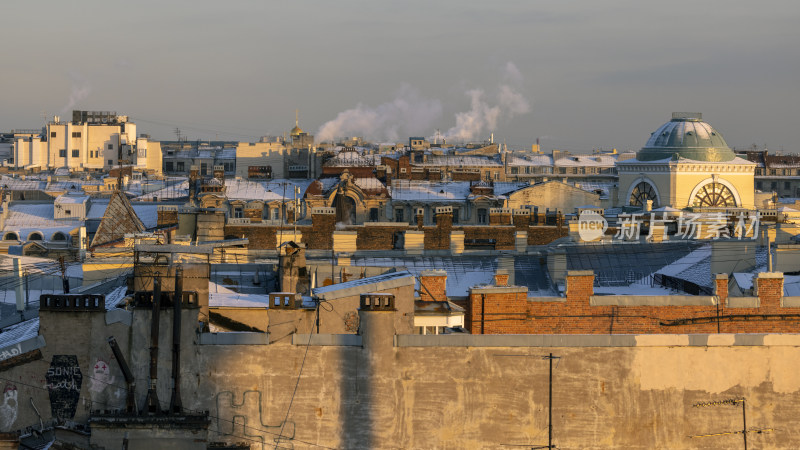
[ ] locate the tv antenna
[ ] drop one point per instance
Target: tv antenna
(178, 133)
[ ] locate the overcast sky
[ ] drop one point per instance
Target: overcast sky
(576, 74)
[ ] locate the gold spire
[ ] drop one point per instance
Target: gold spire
(296, 130)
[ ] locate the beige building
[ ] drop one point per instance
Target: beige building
(686, 164)
(91, 141)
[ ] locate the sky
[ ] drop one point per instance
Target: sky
(578, 75)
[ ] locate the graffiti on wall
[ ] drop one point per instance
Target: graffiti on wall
(246, 419)
(102, 390)
(64, 381)
(8, 409)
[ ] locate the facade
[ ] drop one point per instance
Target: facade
(686, 164)
(93, 140)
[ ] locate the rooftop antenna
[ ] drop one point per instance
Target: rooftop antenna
(297, 117)
(178, 133)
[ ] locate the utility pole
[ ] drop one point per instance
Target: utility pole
(64, 280)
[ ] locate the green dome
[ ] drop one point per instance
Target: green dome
(686, 136)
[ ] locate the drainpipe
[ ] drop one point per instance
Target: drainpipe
(151, 402)
(175, 405)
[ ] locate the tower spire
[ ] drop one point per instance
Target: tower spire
(297, 117)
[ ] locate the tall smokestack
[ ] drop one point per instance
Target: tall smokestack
(151, 402)
(175, 405)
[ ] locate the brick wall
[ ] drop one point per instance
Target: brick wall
(167, 218)
(438, 237)
(433, 285)
(503, 218)
(378, 237)
(504, 236)
(494, 311)
(321, 233)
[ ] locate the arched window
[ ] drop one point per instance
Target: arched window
(10, 236)
(59, 236)
(714, 195)
(35, 236)
(643, 192)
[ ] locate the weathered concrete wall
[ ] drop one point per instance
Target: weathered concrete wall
(449, 391)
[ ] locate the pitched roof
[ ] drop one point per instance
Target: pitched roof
(118, 220)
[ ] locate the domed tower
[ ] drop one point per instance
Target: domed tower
(686, 163)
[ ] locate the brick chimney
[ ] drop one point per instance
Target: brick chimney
(432, 285)
(769, 289)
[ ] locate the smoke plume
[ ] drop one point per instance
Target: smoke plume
(409, 113)
(483, 117)
(80, 90)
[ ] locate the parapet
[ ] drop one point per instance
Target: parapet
(83, 302)
(377, 302)
(283, 300)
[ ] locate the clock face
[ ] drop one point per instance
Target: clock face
(714, 194)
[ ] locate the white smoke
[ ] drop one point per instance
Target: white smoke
(409, 113)
(80, 90)
(482, 117)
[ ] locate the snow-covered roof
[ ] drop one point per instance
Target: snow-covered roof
(20, 332)
(264, 190)
(147, 212)
(369, 183)
(586, 160)
(381, 282)
(735, 161)
(406, 190)
(179, 190)
(237, 300)
(458, 161)
(114, 297)
(37, 217)
(530, 160)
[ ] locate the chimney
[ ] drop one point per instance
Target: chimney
(432, 285)
(501, 277)
(219, 173)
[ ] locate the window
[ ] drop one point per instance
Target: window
(76, 134)
(111, 146)
(787, 185)
(773, 185)
(759, 185)
(110, 162)
(482, 216)
(52, 134)
(76, 153)
(456, 212)
(276, 214)
(238, 213)
(168, 166)
(398, 215)
(203, 168)
(259, 172)
(180, 166)
(67, 212)
(373, 214)
(62, 153)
